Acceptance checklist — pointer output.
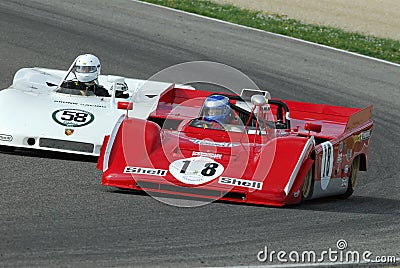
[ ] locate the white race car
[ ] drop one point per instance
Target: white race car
(37, 113)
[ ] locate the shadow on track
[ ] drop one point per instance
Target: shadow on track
(355, 204)
(50, 155)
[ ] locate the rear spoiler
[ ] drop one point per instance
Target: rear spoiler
(358, 118)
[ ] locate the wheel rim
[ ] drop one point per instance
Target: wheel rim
(307, 184)
(354, 171)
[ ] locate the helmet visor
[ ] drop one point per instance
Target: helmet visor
(85, 69)
(213, 111)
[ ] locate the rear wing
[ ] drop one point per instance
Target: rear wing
(334, 120)
(176, 102)
(359, 118)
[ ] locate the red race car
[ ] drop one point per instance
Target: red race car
(246, 148)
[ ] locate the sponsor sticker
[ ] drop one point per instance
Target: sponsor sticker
(81, 104)
(339, 159)
(210, 155)
(339, 162)
(196, 170)
(242, 183)
(346, 169)
(344, 183)
(213, 143)
(349, 154)
(5, 137)
(146, 171)
(365, 135)
(72, 117)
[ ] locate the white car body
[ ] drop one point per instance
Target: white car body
(34, 115)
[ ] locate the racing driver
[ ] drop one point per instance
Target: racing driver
(87, 70)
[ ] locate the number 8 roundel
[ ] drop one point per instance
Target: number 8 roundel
(196, 170)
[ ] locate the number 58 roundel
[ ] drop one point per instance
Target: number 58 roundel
(73, 117)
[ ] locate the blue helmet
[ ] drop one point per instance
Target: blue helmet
(216, 108)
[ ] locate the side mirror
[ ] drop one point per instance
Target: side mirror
(258, 100)
(247, 93)
(125, 105)
(313, 127)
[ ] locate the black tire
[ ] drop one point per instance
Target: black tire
(308, 185)
(7, 149)
(355, 167)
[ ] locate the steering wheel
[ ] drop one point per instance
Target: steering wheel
(280, 125)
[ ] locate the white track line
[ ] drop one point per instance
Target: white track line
(280, 35)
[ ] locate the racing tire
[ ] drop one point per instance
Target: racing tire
(355, 167)
(7, 149)
(308, 186)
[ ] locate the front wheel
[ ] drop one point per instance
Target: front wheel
(308, 185)
(351, 184)
(7, 149)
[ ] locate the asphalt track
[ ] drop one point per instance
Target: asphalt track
(54, 212)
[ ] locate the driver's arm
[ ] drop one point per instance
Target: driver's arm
(71, 84)
(101, 91)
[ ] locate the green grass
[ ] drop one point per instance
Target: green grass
(381, 48)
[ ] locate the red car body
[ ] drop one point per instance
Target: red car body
(310, 151)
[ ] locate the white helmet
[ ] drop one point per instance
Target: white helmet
(87, 68)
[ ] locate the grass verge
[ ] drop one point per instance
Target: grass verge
(381, 48)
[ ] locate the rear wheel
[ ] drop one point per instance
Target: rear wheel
(351, 184)
(308, 185)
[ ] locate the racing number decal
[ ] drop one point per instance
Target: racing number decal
(196, 170)
(185, 166)
(208, 170)
(326, 164)
(73, 117)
